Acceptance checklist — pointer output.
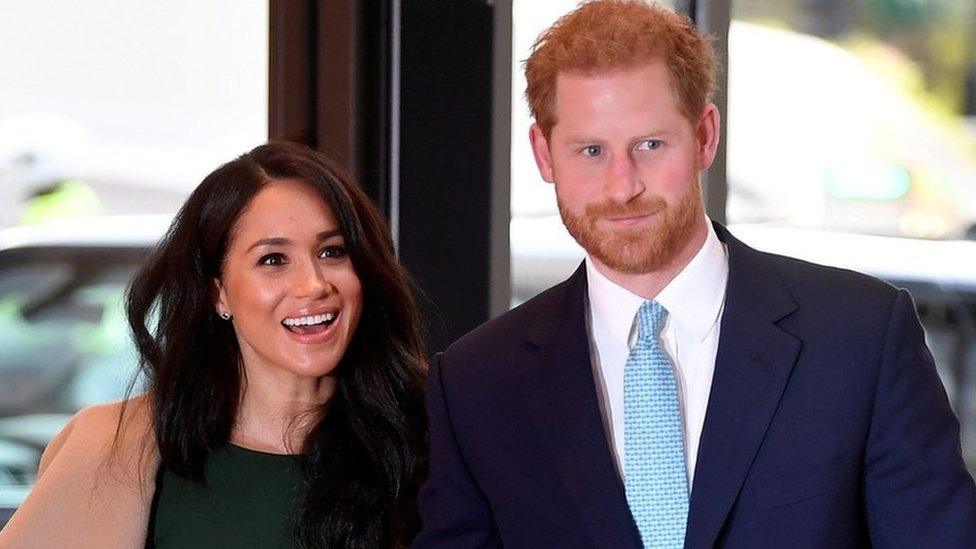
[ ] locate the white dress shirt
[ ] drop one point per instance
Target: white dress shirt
(694, 300)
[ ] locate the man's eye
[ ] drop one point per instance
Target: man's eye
(591, 150)
(649, 144)
(273, 260)
(333, 252)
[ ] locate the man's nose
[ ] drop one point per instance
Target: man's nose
(623, 182)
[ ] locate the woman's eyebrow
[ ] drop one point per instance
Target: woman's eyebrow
(274, 241)
(325, 235)
(282, 241)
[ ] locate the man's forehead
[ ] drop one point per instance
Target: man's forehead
(646, 83)
(647, 75)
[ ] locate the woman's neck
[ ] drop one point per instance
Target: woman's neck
(277, 411)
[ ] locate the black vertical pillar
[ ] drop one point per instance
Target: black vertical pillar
(329, 83)
(446, 159)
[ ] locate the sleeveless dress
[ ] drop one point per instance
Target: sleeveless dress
(249, 499)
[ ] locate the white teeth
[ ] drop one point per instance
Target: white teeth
(310, 320)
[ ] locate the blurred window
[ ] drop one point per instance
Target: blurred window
(122, 106)
(853, 116)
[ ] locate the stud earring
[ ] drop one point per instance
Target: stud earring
(225, 315)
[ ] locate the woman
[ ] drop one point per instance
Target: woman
(284, 405)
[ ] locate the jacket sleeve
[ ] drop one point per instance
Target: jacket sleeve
(917, 490)
(454, 511)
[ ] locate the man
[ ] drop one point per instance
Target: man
(681, 388)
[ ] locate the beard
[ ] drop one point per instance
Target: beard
(635, 250)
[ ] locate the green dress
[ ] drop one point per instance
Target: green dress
(249, 499)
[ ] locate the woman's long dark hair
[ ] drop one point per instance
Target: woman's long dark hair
(365, 455)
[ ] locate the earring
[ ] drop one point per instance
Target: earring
(225, 315)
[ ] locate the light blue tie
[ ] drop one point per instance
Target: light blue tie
(654, 448)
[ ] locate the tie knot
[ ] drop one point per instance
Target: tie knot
(650, 320)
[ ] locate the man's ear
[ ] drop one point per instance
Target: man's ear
(707, 134)
(220, 297)
(540, 150)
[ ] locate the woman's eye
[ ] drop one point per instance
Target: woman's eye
(333, 252)
(591, 150)
(273, 260)
(649, 144)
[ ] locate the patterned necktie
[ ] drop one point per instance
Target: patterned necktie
(654, 450)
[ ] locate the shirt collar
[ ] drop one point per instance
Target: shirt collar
(693, 298)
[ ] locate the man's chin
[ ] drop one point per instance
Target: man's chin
(634, 252)
(639, 261)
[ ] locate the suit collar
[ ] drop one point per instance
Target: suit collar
(562, 311)
(754, 362)
(560, 393)
(756, 282)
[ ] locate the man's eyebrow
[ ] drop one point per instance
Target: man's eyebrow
(654, 133)
(579, 140)
(282, 241)
(582, 139)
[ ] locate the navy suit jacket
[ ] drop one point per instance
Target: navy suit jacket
(826, 426)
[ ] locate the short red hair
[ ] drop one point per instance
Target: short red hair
(605, 35)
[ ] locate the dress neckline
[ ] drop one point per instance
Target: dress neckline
(245, 450)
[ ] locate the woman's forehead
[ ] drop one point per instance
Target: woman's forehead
(286, 208)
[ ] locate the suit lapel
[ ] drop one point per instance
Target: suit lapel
(561, 395)
(753, 365)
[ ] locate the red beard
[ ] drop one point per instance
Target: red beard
(642, 249)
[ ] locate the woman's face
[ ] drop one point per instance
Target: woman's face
(289, 283)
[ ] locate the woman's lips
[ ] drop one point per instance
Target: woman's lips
(313, 334)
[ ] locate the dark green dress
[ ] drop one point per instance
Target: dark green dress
(249, 500)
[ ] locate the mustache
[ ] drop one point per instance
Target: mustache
(647, 206)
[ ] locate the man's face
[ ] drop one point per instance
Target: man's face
(625, 162)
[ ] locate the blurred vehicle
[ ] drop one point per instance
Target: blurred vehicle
(64, 341)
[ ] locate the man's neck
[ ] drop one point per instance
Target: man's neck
(648, 285)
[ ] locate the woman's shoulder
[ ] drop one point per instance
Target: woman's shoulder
(95, 482)
(114, 429)
(135, 409)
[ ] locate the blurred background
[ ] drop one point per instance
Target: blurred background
(850, 129)
(111, 112)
